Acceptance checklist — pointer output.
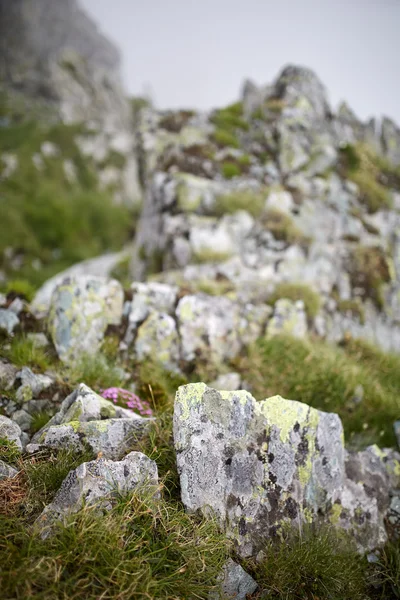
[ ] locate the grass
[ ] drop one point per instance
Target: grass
(230, 169)
(23, 352)
(213, 287)
(353, 308)
(225, 138)
(39, 420)
(20, 287)
(326, 378)
(97, 371)
(230, 118)
(283, 228)
(298, 291)
(205, 255)
(311, 564)
(369, 271)
(9, 451)
(252, 202)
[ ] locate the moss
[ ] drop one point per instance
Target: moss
(20, 287)
(225, 138)
(252, 202)
(352, 307)
(230, 118)
(298, 291)
(369, 270)
(213, 287)
(283, 228)
(230, 169)
(206, 255)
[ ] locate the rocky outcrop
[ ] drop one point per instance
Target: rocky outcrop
(261, 466)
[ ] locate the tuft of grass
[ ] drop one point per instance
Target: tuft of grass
(283, 228)
(230, 118)
(9, 451)
(205, 255)
(326, 377)
(252, 202)
(39, 420)
(137, 550)
(225, 138)
(23, 352)
(385, 576)
(230, 169)
(96, 371)
(298, 291)
(311, 564)
(20, 287)
(213, 287)
(369, 271)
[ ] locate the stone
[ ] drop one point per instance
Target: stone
(32, 385)
(280, 200)
(234, 583)
(157, 339)
(227, 381)
(10, 431)
(16, 306)
(8, 321)
(39, 340)
(23, 419)
(397, 432)
(81, 310)
(84, 405)
(7, 375)
(288, 318)
(100, 482)
(6, 471)
(259, 467)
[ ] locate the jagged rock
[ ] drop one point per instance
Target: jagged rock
(6, 471)
(234, 583)
(81, 310)
(8, 321)
(302, 90)
(99, 482)
(8, 375)
(84, 405)
(259, 466)
(10, 431)
(288, 318)
(23, 419)
(31, 384)
(101, 266)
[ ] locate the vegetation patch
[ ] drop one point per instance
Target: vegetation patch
(352, 307)
(283, 228)
(369, 270)
(230, 169)
(23, 352)
(224, 138)
(252, 202)
(298, 291)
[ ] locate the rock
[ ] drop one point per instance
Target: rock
(397, 432)
(99, 482)
(23, 419)
(39, 340)
(32, 385)
(280, 200)
(7, 375)
(261, 466)
(288, 318)
(158, 340)
(227, 381)
(6, 471)
(235, 583)
(100, 266)
(8, 321)
(84, 405)
(16, 306)
(81, 310)
(10, 431)
(393, 516)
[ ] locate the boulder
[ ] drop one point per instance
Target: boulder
(6, 471)
(260, 467)
(81, 310)
(11, 431)
(288, 318)
(100, 482)
(234, 582)
(8, 321)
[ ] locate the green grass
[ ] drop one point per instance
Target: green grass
(252, 202)
(230, 118)
(20, 287)
(326, 377)
(353, 307)
(23, 352)
(283, 228)
(312, 564)
(9, 451)
(97, 371)
(230, 169)
(369, 270)
(298, 291)
(39, 420)
(225, 138)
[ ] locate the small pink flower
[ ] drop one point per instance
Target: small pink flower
(127, 398)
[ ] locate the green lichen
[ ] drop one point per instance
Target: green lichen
(188, 396)
(284, 414)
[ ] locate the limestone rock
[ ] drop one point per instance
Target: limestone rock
(10, 430)
(99, 482)
(234, 583)
(260, 466)
(81, 310)
(8, 321)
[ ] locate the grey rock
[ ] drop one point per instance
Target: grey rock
(158, 339)
(31, 384)
(10, 430)
(227, 381)
(16, 306)
(23, 419)
(288, 318)
(7, 375)
(99, 483)
(261, 466)
(235, 583)
(6, 471)
(8, 321)
(80, 312)
(39, 340)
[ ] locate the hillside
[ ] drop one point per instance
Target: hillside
(199, 334)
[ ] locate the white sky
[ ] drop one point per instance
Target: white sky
(196, 53)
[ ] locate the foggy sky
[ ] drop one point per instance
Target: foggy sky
(196, 53)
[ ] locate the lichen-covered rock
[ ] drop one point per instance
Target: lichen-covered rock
(8, 375)
(10, 431)
(99, 482)
(157, 339)
(8, 321)
(227, 381)
(81, 310)
(83, 405)
(259, 466)
(6, 471)
(31, 384)
(23, 419)
(288, 318)
(234, 583)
